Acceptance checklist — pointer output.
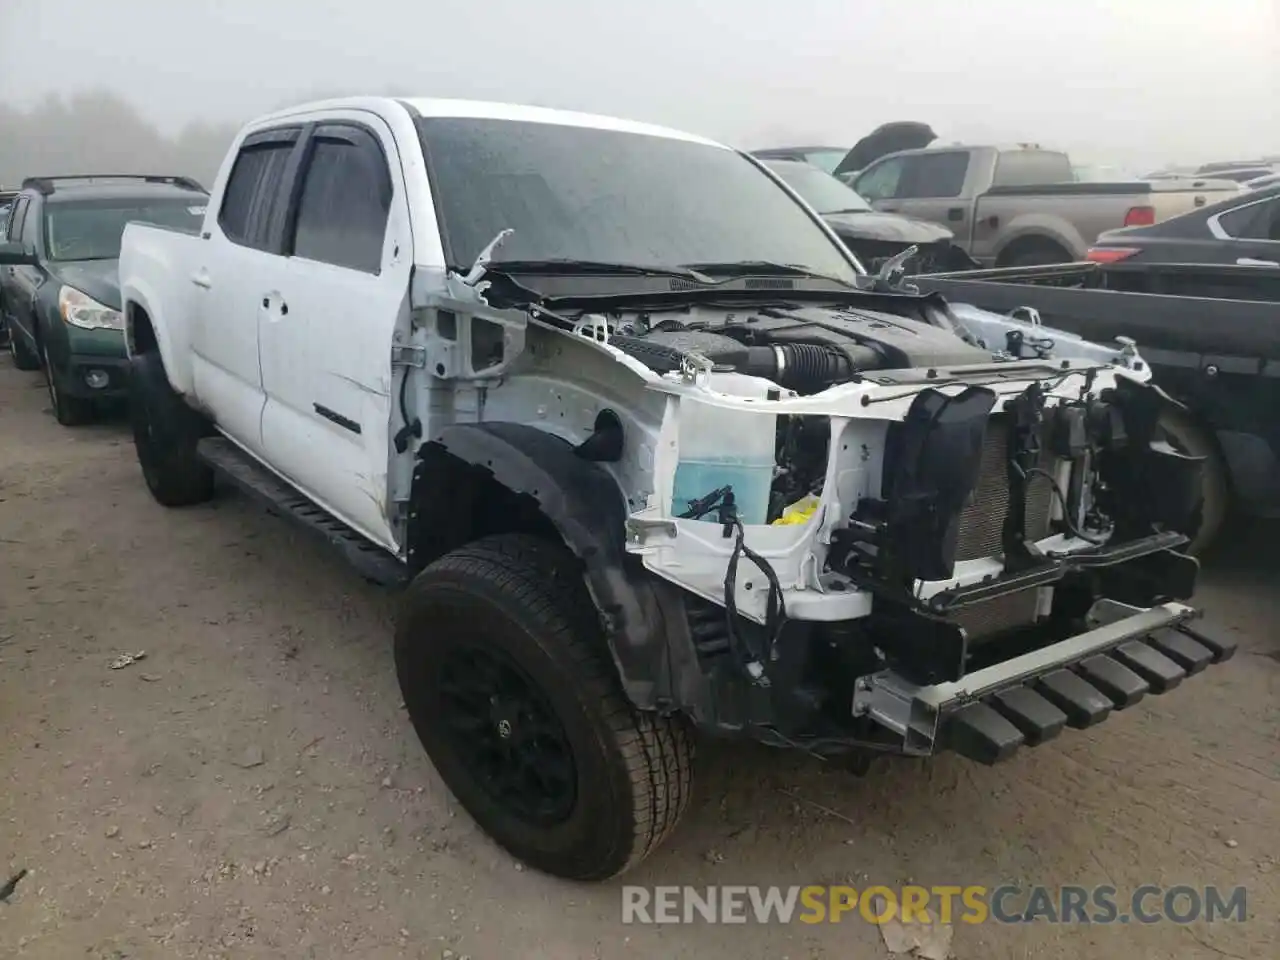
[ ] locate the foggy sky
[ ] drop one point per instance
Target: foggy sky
(1138, 82)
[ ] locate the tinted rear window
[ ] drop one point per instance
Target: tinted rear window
(606, 195)
(252, 191)
(1025, 168)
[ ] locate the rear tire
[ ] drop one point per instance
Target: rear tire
(165, 434)
(1189, 438)
(23, 358)
(596, 785)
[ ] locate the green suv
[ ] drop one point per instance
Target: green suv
(59, 293)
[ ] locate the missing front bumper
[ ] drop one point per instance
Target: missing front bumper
(1027, 700)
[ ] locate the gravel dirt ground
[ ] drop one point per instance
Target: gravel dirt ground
(252, 787)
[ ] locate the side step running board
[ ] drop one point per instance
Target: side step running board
(370, 560)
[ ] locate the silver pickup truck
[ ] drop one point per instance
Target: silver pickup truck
(1019, 206)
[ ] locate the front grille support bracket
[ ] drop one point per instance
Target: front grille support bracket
(919, 714)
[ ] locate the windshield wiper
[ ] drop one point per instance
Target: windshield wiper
(568, 265)
(765, 268)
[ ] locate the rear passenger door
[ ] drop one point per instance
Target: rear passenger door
(326, 341)
(25, 280)
(237, 273)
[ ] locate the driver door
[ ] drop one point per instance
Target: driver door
(326, 330)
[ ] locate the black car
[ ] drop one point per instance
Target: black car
(1244, 229)
(59, 290)
(873, 236)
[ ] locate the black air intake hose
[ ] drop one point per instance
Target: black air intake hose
(803, 367)
(808, 367)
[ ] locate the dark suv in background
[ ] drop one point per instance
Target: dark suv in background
(59, 293)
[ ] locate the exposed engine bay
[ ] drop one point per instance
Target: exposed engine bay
(806, 350)
(802, 348)
(972, 494)
(886, 517)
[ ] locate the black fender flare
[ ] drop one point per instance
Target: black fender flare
(642, 616)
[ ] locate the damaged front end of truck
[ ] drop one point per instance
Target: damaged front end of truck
(844, 531)
(990, 558)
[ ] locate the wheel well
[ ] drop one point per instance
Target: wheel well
(454, 502)
(142, 335)
(1208, 435)
(1024, 245)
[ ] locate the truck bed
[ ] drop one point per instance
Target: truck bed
(1220, 357)
(1108, 188)
(1074, 297)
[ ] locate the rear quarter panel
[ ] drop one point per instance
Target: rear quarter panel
(1072, 222)
(1172, 199)
(156, 265)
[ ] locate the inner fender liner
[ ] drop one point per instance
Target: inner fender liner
(643, 617)
(1149, 485)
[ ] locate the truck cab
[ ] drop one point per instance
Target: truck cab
(650, 455)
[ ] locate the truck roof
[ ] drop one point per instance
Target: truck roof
(486, 110)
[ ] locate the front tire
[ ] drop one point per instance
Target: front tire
(23, 358)
(512, 692)
(67, 410)
(165, 434)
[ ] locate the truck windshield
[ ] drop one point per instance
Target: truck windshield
(579, 193)
(91, 229)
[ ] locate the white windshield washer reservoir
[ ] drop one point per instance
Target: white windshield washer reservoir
(722, 447)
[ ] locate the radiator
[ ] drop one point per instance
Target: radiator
(982, 522)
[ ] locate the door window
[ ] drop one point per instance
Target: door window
(1255, 221)
(881, 181)
(345, 200)
(933, 175)
(253, 188)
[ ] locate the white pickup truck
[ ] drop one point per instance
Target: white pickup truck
(654, 456)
